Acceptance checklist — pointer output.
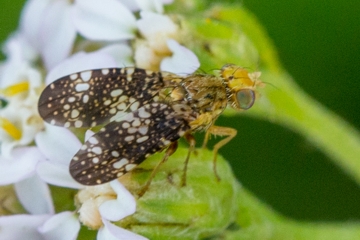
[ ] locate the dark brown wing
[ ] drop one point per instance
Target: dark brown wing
(124, 143)
(94, 97)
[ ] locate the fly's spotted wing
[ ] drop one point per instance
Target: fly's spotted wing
(124, 143)
(94, 97)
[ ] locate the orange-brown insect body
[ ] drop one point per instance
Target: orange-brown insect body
(205, 96)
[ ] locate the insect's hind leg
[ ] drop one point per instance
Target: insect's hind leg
(169, 151)
(191, 140)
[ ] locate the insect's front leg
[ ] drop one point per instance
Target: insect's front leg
(228, 133)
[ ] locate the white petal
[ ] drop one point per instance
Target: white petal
(35, 196)
(19, 70)
(26, 120)
(120, 208)
(34, 77)
(57, 144)
(131, 5)
(113, 232)
(18, 48)
(62, 226)
(21, 226)
(79, 62)
(57, 174)
(157, 29)
(20, 166)
(182, 62)
(57, 33)
(152, 24)
(122, 54)
(104, 20)
(150, 5)
(32, 19)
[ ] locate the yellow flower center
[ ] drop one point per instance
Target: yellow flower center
(10, 91)
(10, 128)
(15, 89)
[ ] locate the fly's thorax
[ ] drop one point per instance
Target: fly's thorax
(240, 86)
(202, 92)
(197, 98)
(205, 93)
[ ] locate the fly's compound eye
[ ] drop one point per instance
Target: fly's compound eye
(245, 98)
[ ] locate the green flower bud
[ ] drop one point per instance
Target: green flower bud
(203, 208)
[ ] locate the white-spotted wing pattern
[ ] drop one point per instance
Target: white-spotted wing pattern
(94, 97)
(124, 143)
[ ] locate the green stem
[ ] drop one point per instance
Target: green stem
(258, 221)
(292, 107)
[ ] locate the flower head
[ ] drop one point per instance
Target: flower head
(56, 38)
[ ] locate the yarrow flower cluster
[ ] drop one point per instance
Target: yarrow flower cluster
(56, 38)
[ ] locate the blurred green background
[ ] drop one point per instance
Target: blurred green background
(318, 43)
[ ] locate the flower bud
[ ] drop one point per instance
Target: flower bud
(202, 208)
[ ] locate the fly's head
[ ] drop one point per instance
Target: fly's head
(241, 86)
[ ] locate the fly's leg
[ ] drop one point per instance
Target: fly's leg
(228, 133)
(169, 151)
(191, 140)
(206, 139)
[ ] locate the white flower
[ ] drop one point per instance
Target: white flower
(114, 55)
(58, 145)
(156, 29)
(159, 45)
(20, 165)
(51, 26)
(34, 195)
(34, 154)
(18, 49)
(99, 207)
(104, 20)
(28, 224)
(20, 169)
(62, 226)
(182, 62)
(19, 123)
(107, 201)
(99, 203)
(124, 204)
(48, 26)
(20, 86)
